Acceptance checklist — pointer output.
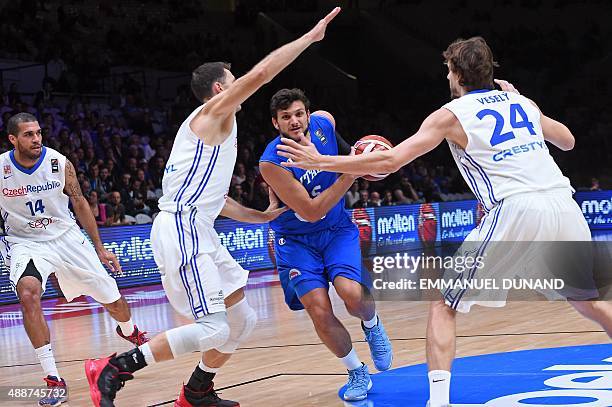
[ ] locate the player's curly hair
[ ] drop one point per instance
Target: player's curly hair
(205, 76)
(472, 61)
(285, 97)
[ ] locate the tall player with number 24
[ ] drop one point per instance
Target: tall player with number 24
(498, 140)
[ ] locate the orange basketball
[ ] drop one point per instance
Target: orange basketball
(370, 143)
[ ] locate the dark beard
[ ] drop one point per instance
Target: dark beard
(29, 155)
(288, 136)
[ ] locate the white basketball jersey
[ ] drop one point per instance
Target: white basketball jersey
(33, 204)
(506, 153)
(198, 175)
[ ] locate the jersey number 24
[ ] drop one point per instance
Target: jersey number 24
(518, 119)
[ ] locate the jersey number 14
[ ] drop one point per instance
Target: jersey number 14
(36, 207)
(518, 119)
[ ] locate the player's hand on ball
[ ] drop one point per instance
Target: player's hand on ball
(273, 211)
(506, 86)
(302, 155)
(110, 260)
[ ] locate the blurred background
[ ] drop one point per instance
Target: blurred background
(109, 83)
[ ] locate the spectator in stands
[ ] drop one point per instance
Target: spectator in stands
(105, 185)
(237, 195)
(388, 199)
(98, 209)
(117, 210)
(594, 185)
(352, 195)
(399, 197)
(260, 196)
(239, 174)
(375, 199)
(363, 201)
(156, 171)
(407, 189)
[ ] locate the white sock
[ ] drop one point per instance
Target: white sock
(207, 369)
(371, 323)
(439, 388)
(351, 360)
(47, 361)
(148, 355)
(127, 327)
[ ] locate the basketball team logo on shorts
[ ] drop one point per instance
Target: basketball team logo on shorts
(281, 241)
(293, 273)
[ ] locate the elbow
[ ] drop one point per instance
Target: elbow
(569, 144)
(310, 214)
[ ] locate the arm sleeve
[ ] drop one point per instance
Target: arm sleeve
(344, 148)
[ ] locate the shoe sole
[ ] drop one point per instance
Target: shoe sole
(361, 398)
(92, 374)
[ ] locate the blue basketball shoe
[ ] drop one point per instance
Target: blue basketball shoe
(380, 346)
(358, 384)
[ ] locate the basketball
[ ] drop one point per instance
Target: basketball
(370, 143)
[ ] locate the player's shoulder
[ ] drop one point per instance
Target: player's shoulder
(323, 116)
(50, 152)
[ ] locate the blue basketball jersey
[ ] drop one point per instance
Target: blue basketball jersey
(322, 135)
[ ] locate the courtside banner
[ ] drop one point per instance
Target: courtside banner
(382, 230)
(596, 207)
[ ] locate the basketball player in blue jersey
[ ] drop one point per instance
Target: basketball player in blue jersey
(317, 243)
(42, 237)
(201, 279)
(498, 141)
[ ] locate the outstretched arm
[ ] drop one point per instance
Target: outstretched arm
(234, 210)
(225, 103)
(554, 132)
(434, 129)
(86, 219)
(295, 196)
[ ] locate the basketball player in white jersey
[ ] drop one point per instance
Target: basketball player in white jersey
(200, 278)
(42, 237)
(497, 139)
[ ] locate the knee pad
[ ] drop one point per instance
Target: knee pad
(208, 332)
(242, 320)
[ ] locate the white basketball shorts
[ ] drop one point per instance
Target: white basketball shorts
(71, 257)
(197, 271)
(541, 216)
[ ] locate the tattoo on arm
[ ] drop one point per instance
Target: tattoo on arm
(72, 187)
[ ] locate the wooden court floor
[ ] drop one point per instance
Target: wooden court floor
(283, 363)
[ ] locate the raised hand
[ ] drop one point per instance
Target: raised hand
(506, 86)
(302, 155)
(318, 32)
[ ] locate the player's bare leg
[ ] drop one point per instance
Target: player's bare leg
(120, 311)
(359, 303)
(29, 290)
(337, 339)
(598, 311)
(440, 349)
(329, 329)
